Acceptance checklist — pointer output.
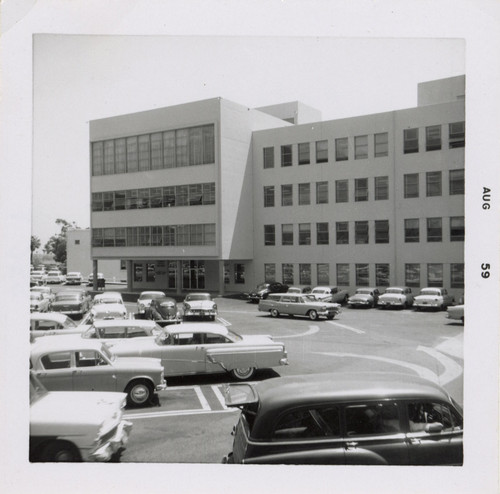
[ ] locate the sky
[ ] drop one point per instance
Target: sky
(81, 78)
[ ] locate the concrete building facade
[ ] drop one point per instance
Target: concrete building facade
(215, 196)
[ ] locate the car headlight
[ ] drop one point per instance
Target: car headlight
(187, 306)
(214, 307)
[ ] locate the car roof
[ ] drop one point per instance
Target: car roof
(48, 316)
(107, 294)
(140, 323)
(151, 292)
(197, 328)
(197, 293)
(103, 308)
(366, 288)
(62, 343)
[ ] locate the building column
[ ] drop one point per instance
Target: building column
(94, 272)
(178, 285)
(221, 278)
(130, 275)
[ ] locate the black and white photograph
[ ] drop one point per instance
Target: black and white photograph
(262, 257)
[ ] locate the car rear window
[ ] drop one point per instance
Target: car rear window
(308, 423)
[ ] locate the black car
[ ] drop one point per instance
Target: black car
(264, 289)
(163, 310)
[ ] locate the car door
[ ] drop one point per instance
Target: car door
(55, 371)
(184, 354)
(92, 372)
(374, 434)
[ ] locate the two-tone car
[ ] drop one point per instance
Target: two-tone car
(54, 278)
(207, 348)
(396, 296)
(330, 294)
(164, 311)
(72, 363)
(46, 291)
(53, 323)
(199, 305)
(113, 331)
(74, 278)
(433, 298)
(290, 304)
(369, 418)
(264, 289)
(108, 298)
(364, 297)
(39, 303)
(71, 302)
(72, 426)
(144, 301)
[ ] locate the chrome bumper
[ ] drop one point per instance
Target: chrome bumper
(117, 442)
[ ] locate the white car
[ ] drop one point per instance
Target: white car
(200, 305)
(54, 277)
(113, 331)
(53, 323)
(433, 298)
(456, 312)
(38, 277)
(105, 311)
(144, 301)
(74, 278)
(108, 298)
(396, 296)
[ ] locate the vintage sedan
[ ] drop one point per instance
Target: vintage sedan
(53, 323)
(38, 303)
(38, 278)
(264, 289)
(46, 291)
(71, 426)
(113, 331)
(74, 278)
(299, 289)
(345, 419)
(330, 294)
(101, 281)
(364, 297)
(54, 278)
(199, 305)
(71, 363)
(433, 298)
(207, 348)
(108, 298)
(105, 311)
(298, 305)
(456, 312)
(71, 303)
(164, 311)
(396, 296)
(144, 301)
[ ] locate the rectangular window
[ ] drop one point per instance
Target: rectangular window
(97, 158)
(323, 274)
(305, 274)
(172, 274)
(209, 234)
(119, 200)
(208, 144)
(304, 153)
(286, 155)
(269, 235)
(381, 143)
(361, 232)
(410, 144)
(341, 149)
(434, 230)
(321, 192)
(144, 153)
(433, 184)
(362, 275)
(169, 235)
(381, 188)
(456, 136)
(97, 237)
(382, 231)
(181, 147)
(109, 157)
(342, 232)
(150, 272)
(412, 230)
(411, 185)
(433, 138)
(435, 275)
(168, 196)
(457, 182)
(209, 193)
(143, 199)
(360, 147)
(269, 273)
(287, 234)
(195, 234)
(120, 156)
(97, 204)
(341, 191)
(304, 233)
(156, 197)
(287, 273)
(195, 194)
(144, 235)
(343, 275)
(131, 198)
(457, 275)
(169, 149)
(132, 236)
(195, 146)
(304, 194)
(412, 275)
(321, 151)
(120, 237)
(138, 272)
(269, 157)
(182, 235)
(181, 195)
(108, 200)
(457, 229)
(269, 196)
(287, 195)
(322, 234)
(156, 151)
(382, 274)
(360, 189)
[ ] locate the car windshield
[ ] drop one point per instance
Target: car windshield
(364, 291)
(37, 389)
(107, 301)
(63, 297)
(150, 295)
(198, 296)
(430, 291)
(234, 336)
(54, 273)
(309, 298)
(394, 290)
(319, 290)
(36, 296)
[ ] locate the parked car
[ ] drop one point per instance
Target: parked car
(71, 426)
(74, 278)
(105, 311)
(53, 323)
(46, 291)
(38, 278)
(65, 363)
(207, 348)
(299, 289)
(108, 298)
(164, 311)
(101, 281)
(199, 305)
(54, 277)
(112, 331)
(38, 303)
(264, 289)
(364, 297)
(433, 298)
(330, 294)
(456, 312)
(71, 303)
(352, 418)
(396, 296)
(144, 301)
(298, 305)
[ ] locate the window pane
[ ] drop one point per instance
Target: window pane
(269, 273)
(195, 146)
(195, 194)
(208, 144)
(304, 153)
(144, 153)
(304, 234)
(382, 274)
(411, 185)
(304, 194)
(132, 154)
(97, 158)
(381, 144)
(456, 136)
(109, 157)
(457, 275)
(435, 275)
(169, 149)
(410, 141)
(434, 230)
(323, 274)
(322, 234)
(433, 183)
(321, 192)
(412, 275)
(372, 419)
(457, 229)
(156, 151)
(382, 231)
(97, 204)
(269, 234)
(321, 151)
(181, 147)
(305, 274)
(209, 193)
(286, 195)
(343, 275)
(269, 157)
(412, 230)
(119, 200)
(287, 234)
(362, 275)
(360, 189)
(361, 232)
(181, 195)
(286, 155)
(381, 188)
(341, 191)
(457, 183)
(269, 196)
(342, 232)
(360, 147)
(433, 138)
(341, 149)
(120, 156)
(287, 274)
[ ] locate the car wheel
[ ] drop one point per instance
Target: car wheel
(243, 374)
(313, 315)
(60, 451)
(345, 300)
(274, 313)
(139, 393)
(330, 317)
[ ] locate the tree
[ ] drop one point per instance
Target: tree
(35, 244)
(57, 243)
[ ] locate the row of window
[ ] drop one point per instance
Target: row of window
(156, 236)
(433, 142)
(193, 273)
(170, 149)
(154, 197)
(434, 230)
(413, 275)
(433, 183)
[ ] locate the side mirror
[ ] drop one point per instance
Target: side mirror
(435, 427)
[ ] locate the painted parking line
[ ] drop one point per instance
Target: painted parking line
(355, 330)
(173, 413)
(219, 396)
(310, 331)
(223, 321)
(201, 397)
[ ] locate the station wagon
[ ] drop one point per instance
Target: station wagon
(298, 305)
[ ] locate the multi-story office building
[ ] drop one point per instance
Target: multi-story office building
(215, 196)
